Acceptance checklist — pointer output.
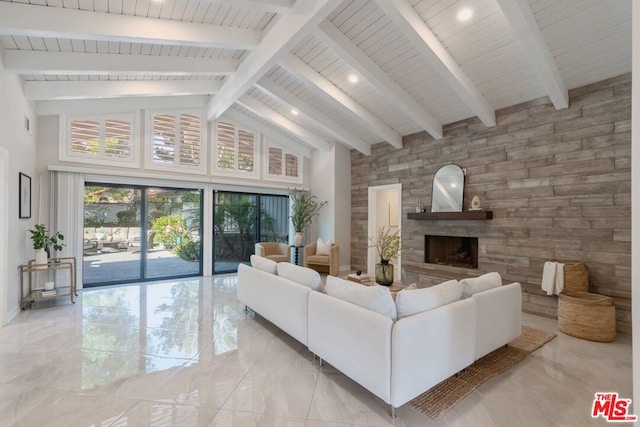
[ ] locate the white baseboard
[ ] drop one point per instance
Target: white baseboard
(12, 314)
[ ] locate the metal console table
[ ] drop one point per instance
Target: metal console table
(53, 273)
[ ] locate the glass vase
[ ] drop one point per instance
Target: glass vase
(384, 274)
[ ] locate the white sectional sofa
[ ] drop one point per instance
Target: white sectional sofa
(281, 301)
(395, 359)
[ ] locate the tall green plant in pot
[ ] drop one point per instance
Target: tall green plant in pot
(43, 242)
(304, 208)
(387, 244)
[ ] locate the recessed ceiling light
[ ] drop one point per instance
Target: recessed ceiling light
(294, 112)
(353, 78)
(465, 14)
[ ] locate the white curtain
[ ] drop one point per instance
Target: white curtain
(68, 216)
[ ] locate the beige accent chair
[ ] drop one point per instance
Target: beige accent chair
(278, 252)
(322, 263)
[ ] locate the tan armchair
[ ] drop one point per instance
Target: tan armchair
(322, 263)
(278, 252)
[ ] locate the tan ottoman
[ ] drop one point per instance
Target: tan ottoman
(588, 316)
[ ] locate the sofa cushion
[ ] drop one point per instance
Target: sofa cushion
(302, 275)
(376, 298)
(264, 264)
(323, 248)
(478, 284)
(318, 259)
(277, 258)
(412, 301)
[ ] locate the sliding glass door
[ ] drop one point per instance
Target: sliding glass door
(174, 233)
(121, 247)
(241, 220)
(111, 225)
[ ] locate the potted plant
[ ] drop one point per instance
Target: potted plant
(387, 244)
(303, 208)
(111, 233)
(43, 242)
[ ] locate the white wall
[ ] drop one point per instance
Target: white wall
(342, 191)
(635, 206)
(386, 207)
(386, 200)
(330, 180)
(21, 147)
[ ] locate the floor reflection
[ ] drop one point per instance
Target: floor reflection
(185, 353)
(124, 325)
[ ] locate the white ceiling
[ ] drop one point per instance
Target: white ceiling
(419, 67)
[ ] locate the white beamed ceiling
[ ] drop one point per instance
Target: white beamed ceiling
(584, 41)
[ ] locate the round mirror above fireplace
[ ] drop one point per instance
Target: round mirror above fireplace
(448, 188)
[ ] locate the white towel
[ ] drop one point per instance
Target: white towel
(553, 278)
(559, 285)
(549, 277)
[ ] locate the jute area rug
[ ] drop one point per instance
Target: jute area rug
(439, 399)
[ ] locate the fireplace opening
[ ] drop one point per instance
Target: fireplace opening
(451, 250)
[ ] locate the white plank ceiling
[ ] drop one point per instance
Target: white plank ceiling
(418, 66)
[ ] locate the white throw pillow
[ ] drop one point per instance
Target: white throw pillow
(100, 236)
(323, 248)
(412, 301)
(478, 284)
(302, 275)
(264, 264)
(376, 298)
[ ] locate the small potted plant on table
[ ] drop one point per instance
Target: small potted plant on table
(43, 242)
(304, 207)
(387, 244)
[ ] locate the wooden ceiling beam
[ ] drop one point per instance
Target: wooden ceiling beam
(282, 7)
(356, 58)
(333, 94)
(59, 63)
(288, 31)
(50, 90)
(18, 19)
(283, 123)
(314, 116)
(525, 26)
(410, 23)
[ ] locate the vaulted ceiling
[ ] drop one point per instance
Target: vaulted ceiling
(290, 63)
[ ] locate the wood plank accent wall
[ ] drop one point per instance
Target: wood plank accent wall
(558, 183)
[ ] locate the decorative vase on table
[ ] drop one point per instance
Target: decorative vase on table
(41, 256)
(298, 239)
(387, 244)
(384, 273)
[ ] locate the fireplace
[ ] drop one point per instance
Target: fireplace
(451, 250)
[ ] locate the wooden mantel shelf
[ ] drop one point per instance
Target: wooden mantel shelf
(467, 215)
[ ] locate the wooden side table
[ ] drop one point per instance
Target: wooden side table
(370, 281)
(296, 254)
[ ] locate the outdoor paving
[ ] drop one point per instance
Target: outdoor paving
(112, 266)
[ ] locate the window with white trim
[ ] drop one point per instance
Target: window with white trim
(107, 139)
(235, 149)
(283, 165)
(176, 141)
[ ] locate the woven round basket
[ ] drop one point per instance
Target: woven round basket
(576, 277)
(588, 316)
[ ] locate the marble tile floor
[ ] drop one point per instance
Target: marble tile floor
(185, 353)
